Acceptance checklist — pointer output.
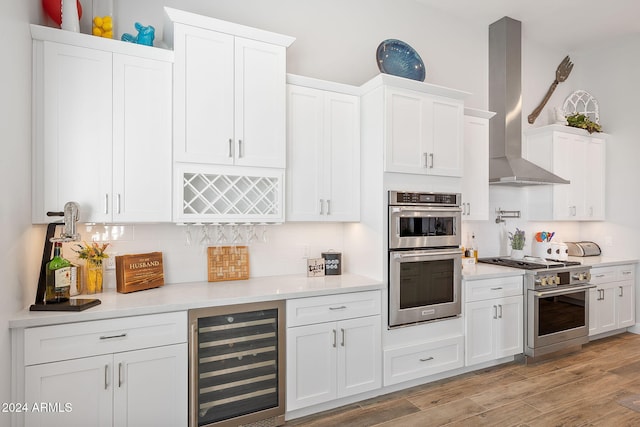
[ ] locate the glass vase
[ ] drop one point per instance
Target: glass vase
(102, 22)
(94, 276)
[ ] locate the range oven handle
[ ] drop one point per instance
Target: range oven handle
(413, 254)
(563, 291)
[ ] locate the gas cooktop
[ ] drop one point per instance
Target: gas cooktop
(528, 263)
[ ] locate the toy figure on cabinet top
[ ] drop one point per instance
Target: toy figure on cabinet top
(145, 35)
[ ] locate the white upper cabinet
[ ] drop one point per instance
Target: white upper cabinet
(475, 180)
(229, 92)
(102, 128)
(323, 152)
(422, 125)
(577, 156)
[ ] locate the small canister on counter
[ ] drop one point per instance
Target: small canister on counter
(332, 263)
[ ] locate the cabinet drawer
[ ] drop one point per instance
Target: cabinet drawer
(603, 275)
(421, 360)
(82, 339)
(626, 272)
(306, 311)
(478, 290)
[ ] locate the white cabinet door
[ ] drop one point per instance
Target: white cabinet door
(359, 366)
(86, 385)
(602, 317)
(323, 155)
(73, 131)
(480, 336)
(475, 179)
(424, 134)
(305, 109)
(311, 365)
(141, 139)
(625, 304)
(260, 104)
(569, 160)
(595, 179)
(203, 96)
(150, 387)
(405, 148)
(509, 334)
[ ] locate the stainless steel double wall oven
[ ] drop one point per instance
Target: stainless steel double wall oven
(425, 261)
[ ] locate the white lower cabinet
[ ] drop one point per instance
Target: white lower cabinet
(493, 319)
(99, 373)
(420, 360)
(335, 358)
(612, 302)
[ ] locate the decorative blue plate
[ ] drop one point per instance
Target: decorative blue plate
(397, 58)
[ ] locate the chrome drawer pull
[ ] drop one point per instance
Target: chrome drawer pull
(342, 307)
(343, 337)
(106, 376)
(426, 359)
(109, 337)
(334, 338)
(119, 374)
(496, 289)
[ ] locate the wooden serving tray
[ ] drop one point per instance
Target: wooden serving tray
(228, 263)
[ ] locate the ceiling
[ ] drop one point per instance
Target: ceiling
(567, 24)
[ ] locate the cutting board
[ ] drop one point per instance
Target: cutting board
(228, 263)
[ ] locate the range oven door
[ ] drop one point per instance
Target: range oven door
(424, 285)
(557, 315)
(424, 227)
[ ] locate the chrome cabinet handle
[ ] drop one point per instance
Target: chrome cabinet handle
(500, 308)
(426, 160)
(431, 157)
(230, 148)
(343, 337)
(120, 375)
(426, 359)
(118, 203)
(496, 289)
(334, 338)
(106, 203)
(328, 206)
(106, 376)
(626, 273)
(321, 206)
(342, 307)
(110, 337)
(495, 312)
(621, 291)
(240, 150)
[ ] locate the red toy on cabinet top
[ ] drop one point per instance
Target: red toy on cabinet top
(53, 8)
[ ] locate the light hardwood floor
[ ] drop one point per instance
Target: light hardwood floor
(579, 389)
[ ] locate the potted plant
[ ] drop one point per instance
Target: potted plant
(517, 243)
(93, 254)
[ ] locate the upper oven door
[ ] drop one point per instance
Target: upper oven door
(424, 227)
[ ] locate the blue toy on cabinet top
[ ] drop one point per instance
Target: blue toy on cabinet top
(145, 35)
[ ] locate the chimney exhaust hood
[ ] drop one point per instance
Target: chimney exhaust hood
(506, 165)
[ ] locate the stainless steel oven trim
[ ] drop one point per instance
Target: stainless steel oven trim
(397, 212)
(400, 317)
(533, 340)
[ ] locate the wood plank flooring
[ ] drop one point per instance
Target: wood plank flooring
(579, 389)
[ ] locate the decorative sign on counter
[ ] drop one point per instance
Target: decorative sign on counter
(332, 263)
(228, 263)
(139, 272)
(315, 267)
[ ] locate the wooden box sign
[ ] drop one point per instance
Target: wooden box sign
(139, 272)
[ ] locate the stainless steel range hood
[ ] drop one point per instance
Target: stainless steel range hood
(506, 165)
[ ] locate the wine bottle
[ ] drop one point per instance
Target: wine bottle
(60, 275)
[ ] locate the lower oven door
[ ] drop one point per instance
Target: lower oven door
(557, 316)
(424, 285)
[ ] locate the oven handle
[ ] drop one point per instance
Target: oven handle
(403, 209)
(413, 254)
(563, 291)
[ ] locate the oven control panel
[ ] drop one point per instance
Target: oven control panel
(562, 277)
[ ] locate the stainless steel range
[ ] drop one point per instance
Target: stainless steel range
(556, 306)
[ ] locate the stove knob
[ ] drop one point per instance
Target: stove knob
(588, 276)
(543, 281)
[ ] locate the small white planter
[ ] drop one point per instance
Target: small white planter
(517, 253)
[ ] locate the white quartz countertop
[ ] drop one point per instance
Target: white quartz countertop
(488, 271)
(185, 296)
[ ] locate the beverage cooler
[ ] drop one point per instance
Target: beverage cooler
(237, 365)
